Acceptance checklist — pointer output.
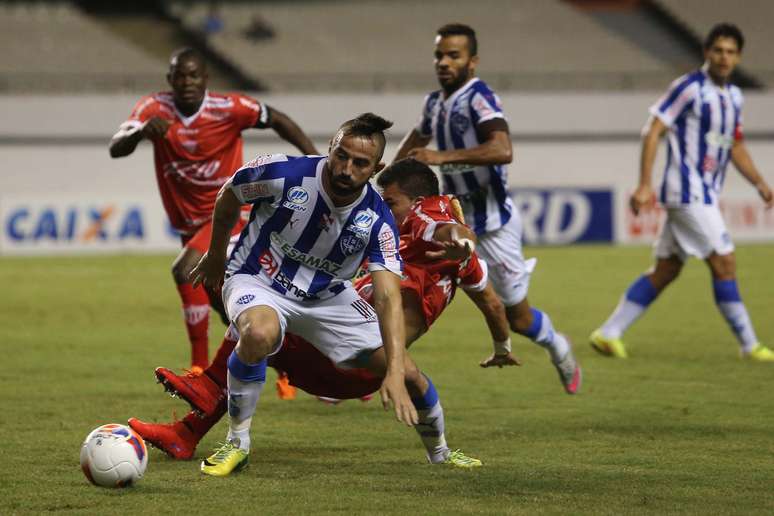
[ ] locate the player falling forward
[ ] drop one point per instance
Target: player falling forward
(701, 112)
(197, 145)
(425, 219)
(314, 221)
(474, 147)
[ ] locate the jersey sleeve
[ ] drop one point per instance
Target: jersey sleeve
(382, 253)
(473, 274)
(145, 109)
(249, 112)
(254, 182)
(428, 215)
(485, 105)
(424, 126)
(738, 124)
(677, 99)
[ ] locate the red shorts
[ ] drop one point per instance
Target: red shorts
(313, 372)
(200, 239)
(432, 294)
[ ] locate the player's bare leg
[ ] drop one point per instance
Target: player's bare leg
(537, 326)
(637, 298)
(729, 302)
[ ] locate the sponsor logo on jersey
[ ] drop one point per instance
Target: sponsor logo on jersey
(245, 299)
(387, 242)
(456, 168)
(351, 244)
(253, 191)
(296, 198)
(363, 220)
(315, 262)
(715, 139)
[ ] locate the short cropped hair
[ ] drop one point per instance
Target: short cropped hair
(185, 54)
(724, 30)
(413, 177)
(460, 29)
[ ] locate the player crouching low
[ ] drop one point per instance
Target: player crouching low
(425, 218)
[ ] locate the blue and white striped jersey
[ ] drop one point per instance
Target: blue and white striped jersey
(704, 120)
(482, 189)
(297, 241)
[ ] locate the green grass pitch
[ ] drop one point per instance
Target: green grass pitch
(683, 426)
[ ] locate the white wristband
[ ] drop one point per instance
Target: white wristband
(502, 347)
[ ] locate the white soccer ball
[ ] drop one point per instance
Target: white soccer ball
(113, 456)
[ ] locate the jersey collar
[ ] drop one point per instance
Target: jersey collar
(188, 120)
(462, 89)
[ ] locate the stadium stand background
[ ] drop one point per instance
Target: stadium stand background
(575, 77)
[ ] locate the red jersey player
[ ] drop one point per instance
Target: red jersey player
(197, 146)
(438, 255)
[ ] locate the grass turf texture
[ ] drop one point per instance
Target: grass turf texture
(683, 426)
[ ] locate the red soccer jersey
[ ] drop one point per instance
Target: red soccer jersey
(433, 281)
(199, 153)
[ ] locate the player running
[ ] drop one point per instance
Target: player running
(437, 257)
(197, 145)
(474, 147)
(313, 222)
(702, 115)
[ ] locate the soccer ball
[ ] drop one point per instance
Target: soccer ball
(113, 456)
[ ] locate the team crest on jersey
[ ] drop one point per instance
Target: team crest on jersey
(459, 122)
(351, 244)
(296, 198)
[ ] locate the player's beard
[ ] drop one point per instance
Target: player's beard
(344, 187)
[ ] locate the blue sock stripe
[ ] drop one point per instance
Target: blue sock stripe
(726, 291)
(537, 323)
(642, 291)
(429, 399)
(246, 372)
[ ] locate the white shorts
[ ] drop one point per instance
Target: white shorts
(508, 271)
(693, 230)
(344, 328)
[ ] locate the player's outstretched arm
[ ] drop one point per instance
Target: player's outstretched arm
(212, 266)
(289, 131)
(743, 162)
(456, 240)
(644, 196)
(496, 148)
(389, 309)
(413, 140)
(493, 310)
(125, 141)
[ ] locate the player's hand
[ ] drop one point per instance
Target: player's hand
(501, 360)
(642, 197)
(208, 272)
(765, 192)
(393, 391)
(155, 128)
(451, 250)
(426, 156)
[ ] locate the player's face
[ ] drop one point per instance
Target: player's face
(454, 65)
(398, 201)
(188, 79)
(352, 161)
(722, 57)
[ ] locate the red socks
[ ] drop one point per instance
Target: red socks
(196, 311)
(218, 369)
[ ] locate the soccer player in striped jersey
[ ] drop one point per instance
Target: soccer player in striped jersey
(701, 114)
(197, 145)
(466, 121)
(314, 220)
(438, 256)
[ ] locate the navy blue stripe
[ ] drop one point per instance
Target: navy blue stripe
(666, 173)
(704, 127)
(440, 136)
(677, 91)
(322, 279)
(240, 242)
(449, 186)
(274, 224)
(685, 171)
(478, 202)
(721, 149)
(308, 237)
(500, 193)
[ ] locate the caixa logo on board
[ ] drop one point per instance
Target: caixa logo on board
(565, 215)
(74, 224)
